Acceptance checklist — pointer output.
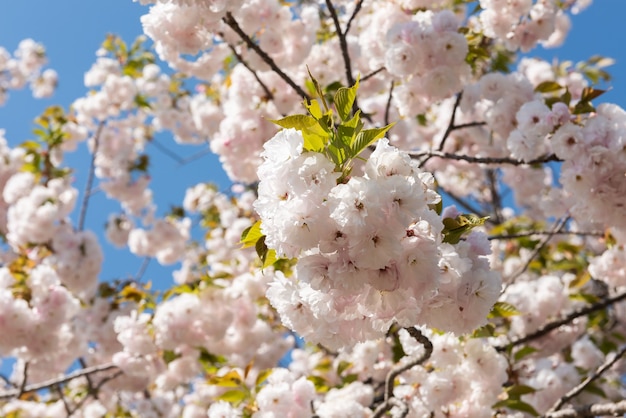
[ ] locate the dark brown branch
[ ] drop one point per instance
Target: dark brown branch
(232, 23)
(49, 383)
(551, 326)
(90, 177)
(66, 406)
(22, 388)
(446, 134)
(398, 369)
(482, 160)
(97, 388)
(496, 201)
(388, 105)
(372, 74)
(267, 91)
(595, 410)
(465, 204)
(590, 379)
(343, 44)
(356, 11)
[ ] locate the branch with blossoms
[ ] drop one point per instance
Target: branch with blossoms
(484, 160)
(58, 381)
(552, 325)
(588, 381)
(593, 410)
(232, 23)
(389, 400)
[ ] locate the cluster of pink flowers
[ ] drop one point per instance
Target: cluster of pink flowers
(369, 251)
(25, 67)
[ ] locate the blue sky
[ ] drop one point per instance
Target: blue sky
(72, 31)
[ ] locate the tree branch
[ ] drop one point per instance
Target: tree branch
(446, 134)
(482, 160)
(530, 234)
(557, 227)
(590, 379)
(390, 401)
(388, 105)
(232, 23)
(610, 409)
(372, 74)
(356, 11)
(267, 91)
(343, 44)
(550, 326)
(64, 379)
(90, 178)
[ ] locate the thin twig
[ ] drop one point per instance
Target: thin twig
(372, 74)
(59, 391)
(167, 152)
(142, 269)
(550, 326)
(590, 379)
(482, 160)
(64, 379)
(267, 91)
(388, 105)
(97, 388)
(558, 225)
(446, 134)
(232, 23)
(496, 202)
(398, 369)
(22, 388)
(90, 178)
(465, 204)
(356, 11)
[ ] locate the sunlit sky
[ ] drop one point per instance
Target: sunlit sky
(72, 30)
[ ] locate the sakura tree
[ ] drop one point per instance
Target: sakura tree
(421, 223)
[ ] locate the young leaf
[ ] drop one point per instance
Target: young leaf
(455, 228)
(251, 235)
(344, 99)
(367, 137)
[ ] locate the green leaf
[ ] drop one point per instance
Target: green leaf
(589, 93)
(503, 310)
(314, 108)
(235, 396)
(344, 100)
(169, 356)
(548, 87)
(315, 136)
(298, 122)
(455, 228)
(321, 385)
(583, 107)
(516, 391)
(232, 379)
(251, 235)
(263, 375)
(343, 366)
(517, 405)
(596, 390)
(367, 137)
(523, 352)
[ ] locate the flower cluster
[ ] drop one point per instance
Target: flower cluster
(25, 67)
(369, 250)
